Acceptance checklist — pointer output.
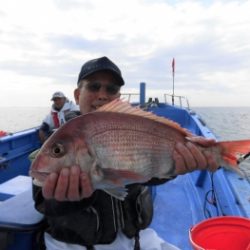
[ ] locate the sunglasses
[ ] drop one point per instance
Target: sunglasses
(111, 89)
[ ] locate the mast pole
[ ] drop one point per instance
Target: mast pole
(173, 71)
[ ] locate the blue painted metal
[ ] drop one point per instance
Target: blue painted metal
(14, 151)
(142, 93)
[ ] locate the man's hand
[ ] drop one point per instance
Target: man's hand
(188, 157)
(69, 185)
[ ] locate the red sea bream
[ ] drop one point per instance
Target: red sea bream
(119, 145)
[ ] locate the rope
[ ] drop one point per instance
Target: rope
(137, 241)
(212, 200)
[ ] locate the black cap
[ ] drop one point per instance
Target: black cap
(100, 64)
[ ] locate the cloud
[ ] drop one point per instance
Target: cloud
(48, 41)
(66, 5)
(76, 42)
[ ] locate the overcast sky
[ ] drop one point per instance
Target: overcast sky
(43, 45)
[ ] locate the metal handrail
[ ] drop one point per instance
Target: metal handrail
(179, 98)
(182, 101)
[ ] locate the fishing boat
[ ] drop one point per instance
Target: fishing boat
(179, 204)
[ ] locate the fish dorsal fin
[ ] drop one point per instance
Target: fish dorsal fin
(125, 107)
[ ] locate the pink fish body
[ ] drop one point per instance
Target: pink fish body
(119, 145)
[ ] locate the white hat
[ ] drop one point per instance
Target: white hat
(58, 94)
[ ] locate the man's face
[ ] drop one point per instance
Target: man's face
(58, 102)
(100, 88)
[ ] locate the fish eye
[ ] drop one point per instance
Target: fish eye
(57, 150)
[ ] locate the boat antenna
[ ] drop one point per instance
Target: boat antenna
(173, 71)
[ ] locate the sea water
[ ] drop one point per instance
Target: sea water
(227, 123)
(13, 119)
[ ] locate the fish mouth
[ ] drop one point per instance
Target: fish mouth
(39, 176)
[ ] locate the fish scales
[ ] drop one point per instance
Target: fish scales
(126, 144)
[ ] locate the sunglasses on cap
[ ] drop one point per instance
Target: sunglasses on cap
(111, 89)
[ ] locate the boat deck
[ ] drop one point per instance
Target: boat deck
(175, 212)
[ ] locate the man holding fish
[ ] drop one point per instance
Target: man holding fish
(90, 182)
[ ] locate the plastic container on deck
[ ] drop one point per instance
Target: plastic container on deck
(221, 233)
(20, 223)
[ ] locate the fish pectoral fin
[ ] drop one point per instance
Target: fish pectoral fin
(118, 192)
(114, 180)
(118, 176)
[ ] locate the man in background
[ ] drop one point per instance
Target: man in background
(61, 106)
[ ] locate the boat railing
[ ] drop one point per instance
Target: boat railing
(169, 99)
(176, 100)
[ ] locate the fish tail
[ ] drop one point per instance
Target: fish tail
(234, 152)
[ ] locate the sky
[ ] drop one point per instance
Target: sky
(43, 45)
